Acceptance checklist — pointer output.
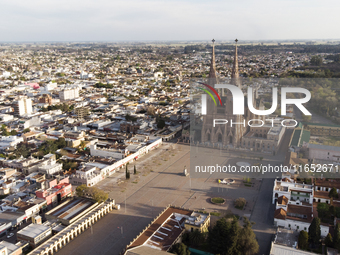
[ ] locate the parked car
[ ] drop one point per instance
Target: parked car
(10, 235)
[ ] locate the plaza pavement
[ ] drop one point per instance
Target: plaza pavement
(160, 182)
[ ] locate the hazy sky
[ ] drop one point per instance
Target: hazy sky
(138, 20)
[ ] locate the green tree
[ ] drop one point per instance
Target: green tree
(336, 238)
(26, 130)
(22, 150)
(99, 195)
(196, 237)
(4, 130)
(247, 243)
(217, 237)
(314, 231)
(180, 249)
(316, 61)
(333, 194)
(160, 123)
(234, 235)
(303, 240)
(13, 132)
(127, 173)
(332, 210)
(81, 190)
(329, 240)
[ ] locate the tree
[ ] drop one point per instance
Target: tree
(180, 249)
(329, 240)
(13, 132)
(303, 240)
(26, 130)
(218, 236)
(160, 123)
(240, 202)
(314, 231)
(228, 238)
(332, 210)
(247, 243)
(127, 173)
(4, 130)
(22, 150)
(333, 194)
(234, 233)
(196, 237)
(316, 61)
(81, 190)
(134, 169)
(99, 195)
(336, 238)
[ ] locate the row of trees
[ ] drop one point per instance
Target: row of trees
(312, 237)
(127, 172)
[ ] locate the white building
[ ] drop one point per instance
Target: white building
(23, 106)
(294, 205)
(69, 94)
(89, 175)
(49, 165)
(10, 141)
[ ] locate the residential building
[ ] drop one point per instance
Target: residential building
(69, 94)
(23, 106)
(294, 205)
(55, 194)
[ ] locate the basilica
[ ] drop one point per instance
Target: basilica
(227, 135)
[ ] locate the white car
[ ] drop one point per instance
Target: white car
(10, 235)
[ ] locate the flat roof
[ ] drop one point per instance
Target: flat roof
(323, 147)
(10, 246)
(278, 249)
(286, 237)
(10, 216)
(33, 230)
(72, 208)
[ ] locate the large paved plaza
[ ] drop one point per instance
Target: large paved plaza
(160, 182)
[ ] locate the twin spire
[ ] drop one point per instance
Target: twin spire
(212, 73)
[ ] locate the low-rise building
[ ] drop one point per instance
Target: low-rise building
(168, 227)
(34, 234)
(7, 248)
(294, 205)
(56, 193)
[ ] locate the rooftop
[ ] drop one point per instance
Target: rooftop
(71, 209)
(33, 230)
(164, 230)
(286, 237)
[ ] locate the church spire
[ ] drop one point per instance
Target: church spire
(212, 73)
(234, 72)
